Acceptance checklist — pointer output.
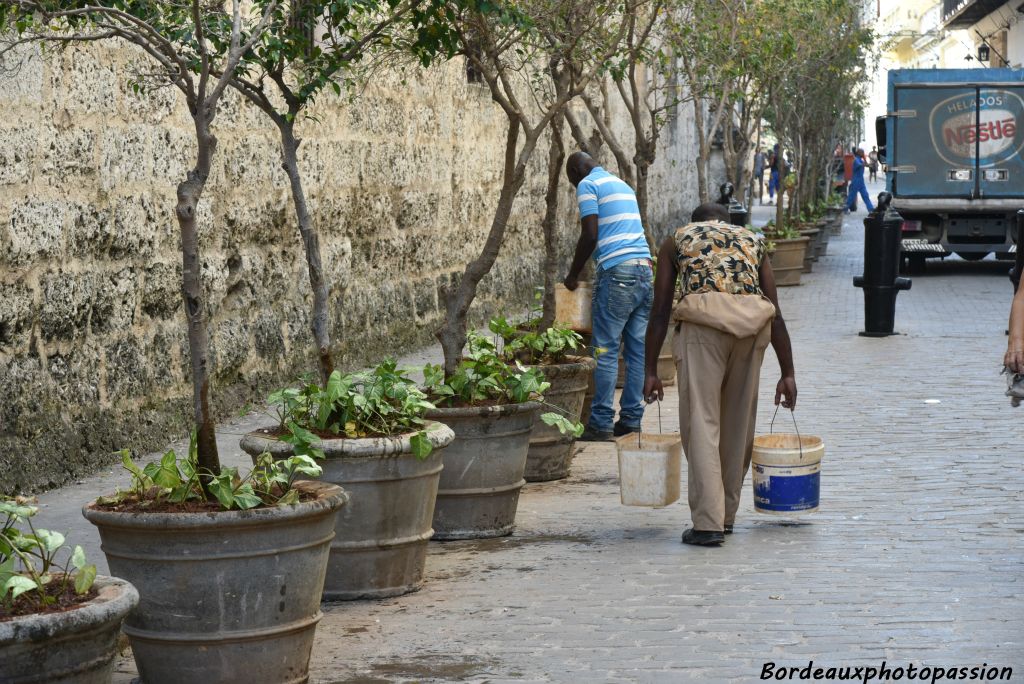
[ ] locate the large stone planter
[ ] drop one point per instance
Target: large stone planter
(230, 597)
(73, 647)
(550, 454)
(380, 542)
(483, 469)
(835, 219)
(824, 235)
(809, 253)
(788, 260)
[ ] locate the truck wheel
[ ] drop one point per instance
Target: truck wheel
(912, 264)
(971, 256)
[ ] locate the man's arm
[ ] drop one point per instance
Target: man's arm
(584, 248)
(1014, 359)
(780, 340)
(657, 324)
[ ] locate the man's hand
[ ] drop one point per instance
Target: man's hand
(653, 390)
(1014, 359)
(571, 283)
(786, 388)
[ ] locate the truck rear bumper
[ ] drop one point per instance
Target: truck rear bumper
(947, 204)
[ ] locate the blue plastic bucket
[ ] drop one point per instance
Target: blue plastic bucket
(787, 473)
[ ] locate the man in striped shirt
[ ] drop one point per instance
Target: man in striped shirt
(611, 231)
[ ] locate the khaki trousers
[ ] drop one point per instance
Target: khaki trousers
(718, 376)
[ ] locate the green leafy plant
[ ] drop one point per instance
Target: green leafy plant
(29, 566)
(786, 232)
(381, 402)
(536, 347)
(485, 376)
(177, 480)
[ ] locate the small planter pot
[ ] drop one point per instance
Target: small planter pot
(483, 469)
(550, 454)
(232, 596)
(76, 646)
(812, 235)
(380, 542)
(788, 260)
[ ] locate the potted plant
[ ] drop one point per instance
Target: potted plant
(787, 248)
(371, 432)
(807, 230)
(491, 405)
(226, 583)
(59, 622)
(559, 353)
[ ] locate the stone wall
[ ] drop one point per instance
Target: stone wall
(93, 352)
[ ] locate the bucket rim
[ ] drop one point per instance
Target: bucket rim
(795, 442)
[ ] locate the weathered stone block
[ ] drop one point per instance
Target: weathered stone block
(161, 294)
(16, 314)
(67, 155)
(125, 155)
(17, 148)
(67, 300)
(35, 231)
(113, 308)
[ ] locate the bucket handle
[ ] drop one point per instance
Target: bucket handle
(799, 440)
(639, 430)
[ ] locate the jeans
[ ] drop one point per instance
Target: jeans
(622, 304)
(773, 183)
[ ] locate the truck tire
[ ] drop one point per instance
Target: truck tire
(912, 264)
(972, 256)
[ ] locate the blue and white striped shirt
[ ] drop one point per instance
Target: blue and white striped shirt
(620, 234)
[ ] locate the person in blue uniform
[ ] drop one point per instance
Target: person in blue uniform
(857, 186)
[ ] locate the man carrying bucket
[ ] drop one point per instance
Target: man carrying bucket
(727, 315)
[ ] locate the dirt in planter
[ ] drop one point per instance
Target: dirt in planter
(163, 506)
(277, 432)
(63, 601)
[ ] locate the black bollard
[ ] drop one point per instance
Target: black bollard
(738, 214)
(881, 284)
(1018, 267)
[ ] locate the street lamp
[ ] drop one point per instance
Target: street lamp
(983, 52)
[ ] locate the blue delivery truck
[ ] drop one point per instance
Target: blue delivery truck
(951, 141)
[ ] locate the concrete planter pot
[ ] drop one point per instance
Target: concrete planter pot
(834, 215)
(788, 260)
(380, 543)
(231, 596)
(809, 253)
(483, 469)
(823, 237)
(550, 454)
(73, 647)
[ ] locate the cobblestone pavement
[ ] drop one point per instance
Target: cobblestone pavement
(915, 556)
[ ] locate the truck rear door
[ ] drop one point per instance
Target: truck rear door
(958, 141)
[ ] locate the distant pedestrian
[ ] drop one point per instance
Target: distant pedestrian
(873, 163)
(773, 175)
(857, 184)
(728, 314)
(623, 291)
(759, 164)
(1014, 358)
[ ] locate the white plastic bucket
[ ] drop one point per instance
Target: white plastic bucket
(649, 469)
(786, 471)
(572, 307)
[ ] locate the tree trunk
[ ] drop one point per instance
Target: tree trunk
(643, 168)
(452, 333)
(311, 243)
(556, 157)
(189, 193)
(703, 151)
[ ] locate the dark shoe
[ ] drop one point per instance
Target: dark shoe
(592, 435)
(728, 529)
(621, 429)
(698, 538)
